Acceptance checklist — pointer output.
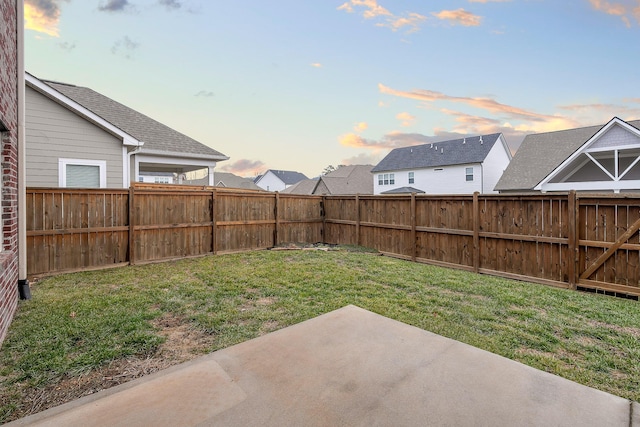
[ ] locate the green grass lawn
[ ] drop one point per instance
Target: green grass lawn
(78, 323)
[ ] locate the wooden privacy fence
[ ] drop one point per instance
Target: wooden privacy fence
(562, 240)
(81, 229)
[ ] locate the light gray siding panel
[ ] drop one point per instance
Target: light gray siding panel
(53, 132)
(617, 136)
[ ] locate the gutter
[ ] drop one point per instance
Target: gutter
(23, 284)
(137, 150)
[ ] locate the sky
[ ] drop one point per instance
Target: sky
(303, 84)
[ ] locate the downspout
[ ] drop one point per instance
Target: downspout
(131, 153)
(23, 284)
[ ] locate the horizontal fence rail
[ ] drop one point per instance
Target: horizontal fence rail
(565, 240)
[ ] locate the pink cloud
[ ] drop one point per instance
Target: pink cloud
(459, 17)
(244, 167)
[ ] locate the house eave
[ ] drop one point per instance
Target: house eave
(174, 154)
(43, 88)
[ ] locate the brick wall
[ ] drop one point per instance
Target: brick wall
(9, 164)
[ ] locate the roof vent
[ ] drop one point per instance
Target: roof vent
(481, 140)
(464, 141)
(436, 148)
(431, 145)
(442, 151)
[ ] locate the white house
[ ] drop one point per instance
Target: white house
(459, 166)
(278, 180)
(603, 158)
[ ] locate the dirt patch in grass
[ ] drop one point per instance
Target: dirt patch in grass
(184, 342)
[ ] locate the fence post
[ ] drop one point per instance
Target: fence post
(323, 215)
(276, 213)
(132, 258)
(214, 246)
(357, 220)
(572, 235)
(413, 227)
(476, 233)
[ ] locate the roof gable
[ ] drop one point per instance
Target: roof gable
(353, 179)
(445, 153)
(79, 109)
(601, 151)
(135, 127)
(540, 154)
(288, 177)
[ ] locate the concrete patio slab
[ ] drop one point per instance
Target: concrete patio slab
(349, 367)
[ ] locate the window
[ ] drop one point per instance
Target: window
(75, 173)
(162, 180)
(386, 179)
(469, 174)
(411, 178)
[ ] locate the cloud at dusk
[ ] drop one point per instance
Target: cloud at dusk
(487, 104)
(244, 167)
(625, 9)
(170, 4)
(459, 17)
(360, 127)
(406, 119)
(42, 16)
(125, 47)
(205, 94)
(114, 6)
(370, 9)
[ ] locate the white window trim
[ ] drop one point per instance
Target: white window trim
(62, 170)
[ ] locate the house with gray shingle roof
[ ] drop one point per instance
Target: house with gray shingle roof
(600, 158)
(458, 166)
(77, 137)
(346, 180)
(278, 180)
(226, 180)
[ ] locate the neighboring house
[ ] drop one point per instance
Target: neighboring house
(227, 180)
(459, 166)
(597, 158)
(12, 231)
(346, 180)
(304, 187)
(277, 180)
(159, 178)
(77, 137)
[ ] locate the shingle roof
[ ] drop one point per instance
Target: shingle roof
(288, 177)
(156, 136)
(353, 179)
(541, 153)
(229, 180)
(306, 186)
(444, 153)
(403, 190)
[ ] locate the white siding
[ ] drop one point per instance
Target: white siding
(54, 132)
(271, 182)
(438, 180)
(493, 167)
